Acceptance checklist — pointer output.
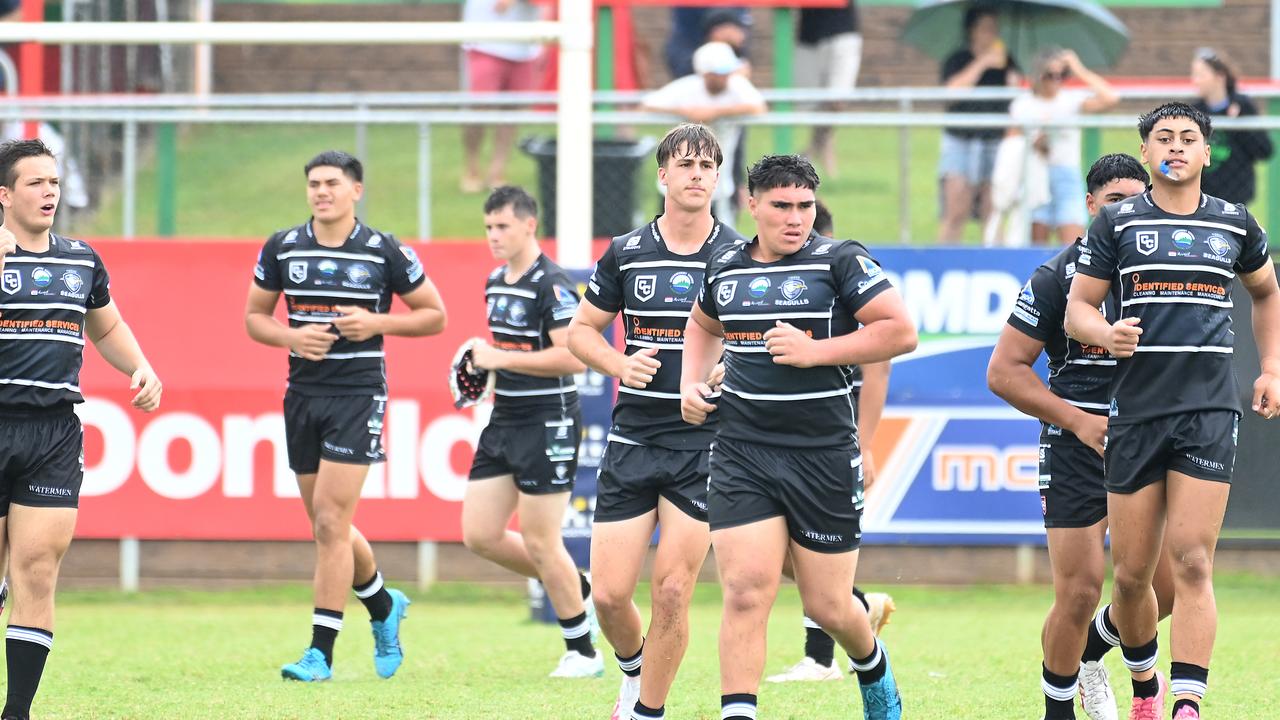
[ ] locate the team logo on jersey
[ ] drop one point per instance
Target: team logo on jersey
(72, 280)
(728, 254)
(645, 287)
(1125, 209)
(11, 281)
(75, 245)
(518, 316)
(358, 274)
(633, 242)
(1229, 208)
(41, 277)
(1219, 245)
(869, 266)
(564, 295)
(292, 237)
(681, 283)
(374, 241)
(792, 288)
(298, 270)
(724, 293)
(823, 249)
(327, 268)
(1148, 241)
(488, 311)
(759, 287)
(1070, 271)
(1183, 238)
(1027, 295)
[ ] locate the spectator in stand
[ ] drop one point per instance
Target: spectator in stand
(689, 30)
(968, 154)
(732, 27)
(1230, 174)
(1060, 146)
(715, 95)
(496, 67)
(828, 55)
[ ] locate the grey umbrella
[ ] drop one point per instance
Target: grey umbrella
(1027, 27)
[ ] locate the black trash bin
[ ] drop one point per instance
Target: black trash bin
(613, 193)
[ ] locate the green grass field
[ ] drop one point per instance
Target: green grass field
(247, 181)
(471, 653)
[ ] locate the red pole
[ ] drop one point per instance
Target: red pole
(31, 59)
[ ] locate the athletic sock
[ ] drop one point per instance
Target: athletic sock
(325, 625)
(738, 706)
(871, 668)
(26, 649)
(1177, 705)
(1103, 635)
(585, 583)
(818, 644)
(1140, 659)
(577, 635)
(375, 597)
(644, 712)
(1188, 679)
(862, 598)
(630, 666)
(1059, 695)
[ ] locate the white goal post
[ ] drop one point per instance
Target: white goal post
(573, 34)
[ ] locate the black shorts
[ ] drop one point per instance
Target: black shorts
(632, 477)
(542, 456)
(41, 459)
(818, 492)
(1199, 444)
(1071, 490)
(337, 428)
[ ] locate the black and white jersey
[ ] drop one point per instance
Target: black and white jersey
(365, 271)
(1175, 273)
(521, 316)
(1079, 374)
(818, 289)
(44, 298)
(654, 289)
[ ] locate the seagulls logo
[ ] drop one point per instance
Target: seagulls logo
(792, 287)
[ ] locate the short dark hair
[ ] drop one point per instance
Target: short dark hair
(521, 202)
(344, 161)
(15, 150)
(823, 223)
(975, 13)
(1116, 166)
(694, 139)
(776, 171)
(1147, 122)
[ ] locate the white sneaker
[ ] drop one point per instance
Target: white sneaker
(574, 664)
(807, 670)
(1096, 697)
(628, 694)
(879, 607)
(589, 605)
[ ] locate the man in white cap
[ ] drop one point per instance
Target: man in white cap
(714, 95)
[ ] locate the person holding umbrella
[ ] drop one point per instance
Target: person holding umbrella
(1230, 174)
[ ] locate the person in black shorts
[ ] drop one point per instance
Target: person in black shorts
(338, 277)
(870, 389)
(654, 470)
(785, 466)
(54, 294)
(1073, 415)
(1173, 254)
(527, 456)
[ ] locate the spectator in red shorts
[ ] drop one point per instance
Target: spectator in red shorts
(496, 67)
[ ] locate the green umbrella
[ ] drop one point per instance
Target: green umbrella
(1027, 27)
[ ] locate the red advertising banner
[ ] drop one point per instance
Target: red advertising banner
(211, 463)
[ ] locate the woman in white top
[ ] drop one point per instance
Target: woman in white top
(1060, 146)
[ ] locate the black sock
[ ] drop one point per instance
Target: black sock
(586, 585)
(644, 712)
(375, 597)
(1141, 659)
(1190, 703)
(738, 706)
(871, 668)
(1102, 636)
(325, 625)
(577, 635)
(26, 650)
(818, 644)
(1059, 695)
(1188, 679)
(862, 598)
(630, 666)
